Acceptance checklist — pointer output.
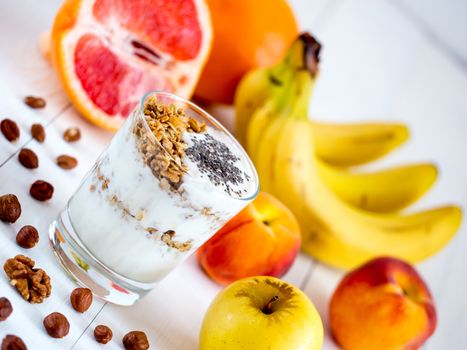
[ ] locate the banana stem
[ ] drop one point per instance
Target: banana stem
(295, 77)
(303, 55)
(304, 86)
(285, 99)
(293, 101)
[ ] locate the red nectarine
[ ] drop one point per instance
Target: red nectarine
(263, 239)
(383, 304)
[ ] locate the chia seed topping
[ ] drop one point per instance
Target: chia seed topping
(215, 160)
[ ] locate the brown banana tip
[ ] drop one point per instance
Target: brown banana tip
(311, 52)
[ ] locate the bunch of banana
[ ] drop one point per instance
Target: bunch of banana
(346, 217)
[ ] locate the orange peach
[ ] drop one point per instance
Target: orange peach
(263, 239)
(383, 304)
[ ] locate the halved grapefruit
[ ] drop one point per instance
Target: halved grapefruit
(109, 53)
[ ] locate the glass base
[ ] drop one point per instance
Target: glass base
(87, 271)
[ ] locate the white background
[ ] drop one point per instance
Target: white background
(403, 60)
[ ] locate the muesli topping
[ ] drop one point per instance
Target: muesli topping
(167, 123)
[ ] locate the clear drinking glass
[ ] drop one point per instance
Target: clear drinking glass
(140, 211)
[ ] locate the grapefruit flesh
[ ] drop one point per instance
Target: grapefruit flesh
(111, 84)
(172, 26)
(110, 53)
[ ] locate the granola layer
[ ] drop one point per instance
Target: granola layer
(167, 124)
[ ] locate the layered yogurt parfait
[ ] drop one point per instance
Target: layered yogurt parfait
(170, 178)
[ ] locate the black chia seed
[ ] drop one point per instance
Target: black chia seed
(215, 160)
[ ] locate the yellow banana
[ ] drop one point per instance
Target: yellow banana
(346, 217)
(276, 106)
(334, 231)
(257, 125)
(337, 144)
(259, 85)
(380, 192)
(354, 144)
(251, 94)
(383, 191)
(258, 122)
(263, 157)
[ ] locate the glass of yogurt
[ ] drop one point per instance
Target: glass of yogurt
(170, 178)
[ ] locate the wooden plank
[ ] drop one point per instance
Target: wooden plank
(366, 48)
(439, 132)
(172, 314)
(442, 21)
(376, 64)
(26, 320)
(23, 70)
(313, 15)
(319, 289)
(381, 65)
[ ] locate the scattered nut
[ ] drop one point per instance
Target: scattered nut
(28, 158)
(56, 325)
(72, 134)
(41, 190)
(5, 309)
(12, 342)
(135, 340)
(32, 283)
(10, 209)
(103, 334)
(168, 238)
(196, 126)
(66, 162)
(38, 132)
(35, 102)
(27, 237)
(81, 299)
(9, 129)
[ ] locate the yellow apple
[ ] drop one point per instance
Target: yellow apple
(261, 313)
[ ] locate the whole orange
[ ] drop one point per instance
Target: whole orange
(247, 34)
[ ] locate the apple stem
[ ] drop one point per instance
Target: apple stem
(268, 308)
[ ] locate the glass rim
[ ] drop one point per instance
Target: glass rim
(203, 114)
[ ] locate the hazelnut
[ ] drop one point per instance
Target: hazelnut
(12, 342)
(9, 129)
(103, 334)
(66, 162)
(72, 134)
(27, 237)
(35, 102)
(135, 340)
(28, 158)
(81, 299)
(10, 208)
(41, 190)
(5, 309)
(56, 325)
(38, 132)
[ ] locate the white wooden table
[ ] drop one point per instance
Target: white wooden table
(388, 60)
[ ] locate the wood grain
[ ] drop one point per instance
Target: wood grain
(376, 64)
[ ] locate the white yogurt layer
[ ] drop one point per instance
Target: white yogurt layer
(121, 210)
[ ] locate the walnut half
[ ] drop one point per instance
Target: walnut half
(32, 283)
